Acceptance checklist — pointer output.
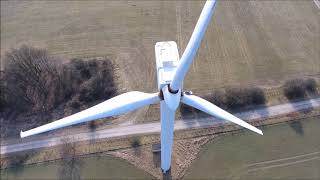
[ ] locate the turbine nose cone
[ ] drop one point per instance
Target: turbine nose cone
(171, 99)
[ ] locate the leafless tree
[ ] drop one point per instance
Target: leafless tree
(29, 75)
(295, 89)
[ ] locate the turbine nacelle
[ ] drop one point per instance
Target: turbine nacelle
(167, 62)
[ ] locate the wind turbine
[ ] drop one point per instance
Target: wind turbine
(171, 72)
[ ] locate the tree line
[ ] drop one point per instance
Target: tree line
(238, 98)
(35, 81)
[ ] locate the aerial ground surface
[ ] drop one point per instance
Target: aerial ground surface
(247, 43)
(286, 151)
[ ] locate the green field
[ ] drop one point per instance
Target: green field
(96, 167)
(285, 151)
(248, 42)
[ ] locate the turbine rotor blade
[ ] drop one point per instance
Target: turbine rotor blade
(193, 45)
(167, 129)
(117, 105)
(214, 110)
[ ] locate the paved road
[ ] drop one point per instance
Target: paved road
(124, 130)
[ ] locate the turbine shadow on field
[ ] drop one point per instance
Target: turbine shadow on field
(92, 127)
(299, 110)
(156, 157)
(167, 175)
(297, 127)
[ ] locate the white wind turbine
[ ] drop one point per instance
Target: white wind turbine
(170, 73)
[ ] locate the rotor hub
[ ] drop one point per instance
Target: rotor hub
(171, 99)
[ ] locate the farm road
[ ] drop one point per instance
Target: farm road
(125, 130)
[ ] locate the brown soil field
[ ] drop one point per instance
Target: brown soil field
(247, 43)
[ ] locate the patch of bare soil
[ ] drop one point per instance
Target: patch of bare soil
(185, 151)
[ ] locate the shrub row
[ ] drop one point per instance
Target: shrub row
(237, 98)
(88, 81)
(298, 88)
(232, 99)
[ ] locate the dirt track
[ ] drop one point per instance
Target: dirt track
(155, 127)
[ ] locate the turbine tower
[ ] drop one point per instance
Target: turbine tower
(171, 71)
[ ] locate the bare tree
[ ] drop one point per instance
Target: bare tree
(310, 85)
(240, 98)
(29, 75)
(295, 89)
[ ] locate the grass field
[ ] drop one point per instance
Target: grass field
(248, 42)
(285, 151)
(95, 167)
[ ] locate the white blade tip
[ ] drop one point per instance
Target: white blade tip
(259, 132)
(22, 134)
